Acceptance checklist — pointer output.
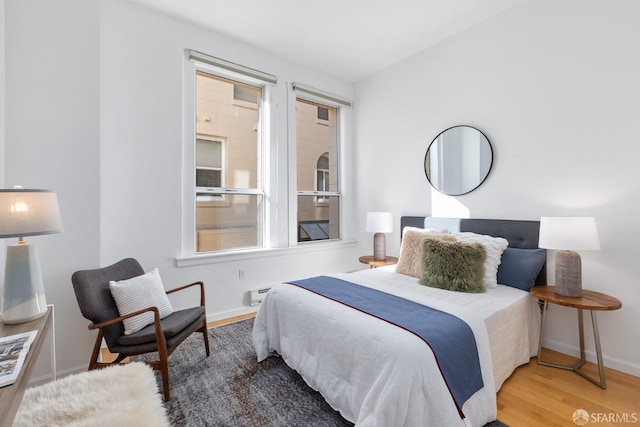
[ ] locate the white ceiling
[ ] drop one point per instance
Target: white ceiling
(351, 39)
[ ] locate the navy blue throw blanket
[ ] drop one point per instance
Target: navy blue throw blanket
(450, 338)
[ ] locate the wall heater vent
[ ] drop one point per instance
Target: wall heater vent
(257, 295)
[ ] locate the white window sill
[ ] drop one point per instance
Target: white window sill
(214, 258)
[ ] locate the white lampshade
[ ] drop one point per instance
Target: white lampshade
(25, 213)
(379, 222)
(569, 233)
(28, 213)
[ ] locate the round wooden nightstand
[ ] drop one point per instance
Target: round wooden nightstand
(590, 300)
(372, 263)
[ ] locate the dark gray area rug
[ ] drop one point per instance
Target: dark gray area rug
(230, 388)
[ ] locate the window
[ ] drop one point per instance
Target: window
(229, 202)
(318, 196)
(237, 196)
(322, 176)
(209, 171)
(323, 115)
(244, 94)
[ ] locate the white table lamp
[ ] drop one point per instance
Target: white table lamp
(25, 213)
(568, 235)
(379, 223)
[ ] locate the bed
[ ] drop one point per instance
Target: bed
(379, 372)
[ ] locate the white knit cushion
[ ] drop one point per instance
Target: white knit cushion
(137, 293)
(494, 247)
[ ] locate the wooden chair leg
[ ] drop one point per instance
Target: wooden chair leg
(93, 363)
(205, 335)
(164, 370)
(119, 359)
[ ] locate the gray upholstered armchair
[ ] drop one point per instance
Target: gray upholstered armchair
(164, 335)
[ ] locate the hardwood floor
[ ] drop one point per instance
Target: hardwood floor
(538, 395)
(543, 396)
(231, 320)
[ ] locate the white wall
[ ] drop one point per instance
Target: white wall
(141, 150)
(94, 111)
(2, 117)
(554, 86)
(52, 134)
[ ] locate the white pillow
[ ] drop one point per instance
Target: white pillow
(494, 247)
(137, 293)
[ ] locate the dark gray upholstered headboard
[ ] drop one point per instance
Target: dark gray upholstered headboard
(519, 234)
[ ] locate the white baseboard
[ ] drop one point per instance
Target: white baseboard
(221, 315)
(609, 362)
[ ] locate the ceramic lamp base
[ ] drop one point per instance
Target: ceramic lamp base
(568, 274)
(379, 247)
(24, 298)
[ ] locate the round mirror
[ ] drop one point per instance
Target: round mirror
(458, 160)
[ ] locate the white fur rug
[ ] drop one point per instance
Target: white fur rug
(125, 395)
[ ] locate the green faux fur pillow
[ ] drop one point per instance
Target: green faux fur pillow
(455, 266)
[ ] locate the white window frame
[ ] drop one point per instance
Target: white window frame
(308, 93)
(194, 62)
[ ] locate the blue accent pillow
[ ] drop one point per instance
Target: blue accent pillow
(520, 267)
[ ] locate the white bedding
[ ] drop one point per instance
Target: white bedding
(375, 373)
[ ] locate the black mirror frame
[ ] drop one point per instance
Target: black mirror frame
(483, 179)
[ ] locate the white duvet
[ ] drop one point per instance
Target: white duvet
(377, 374)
